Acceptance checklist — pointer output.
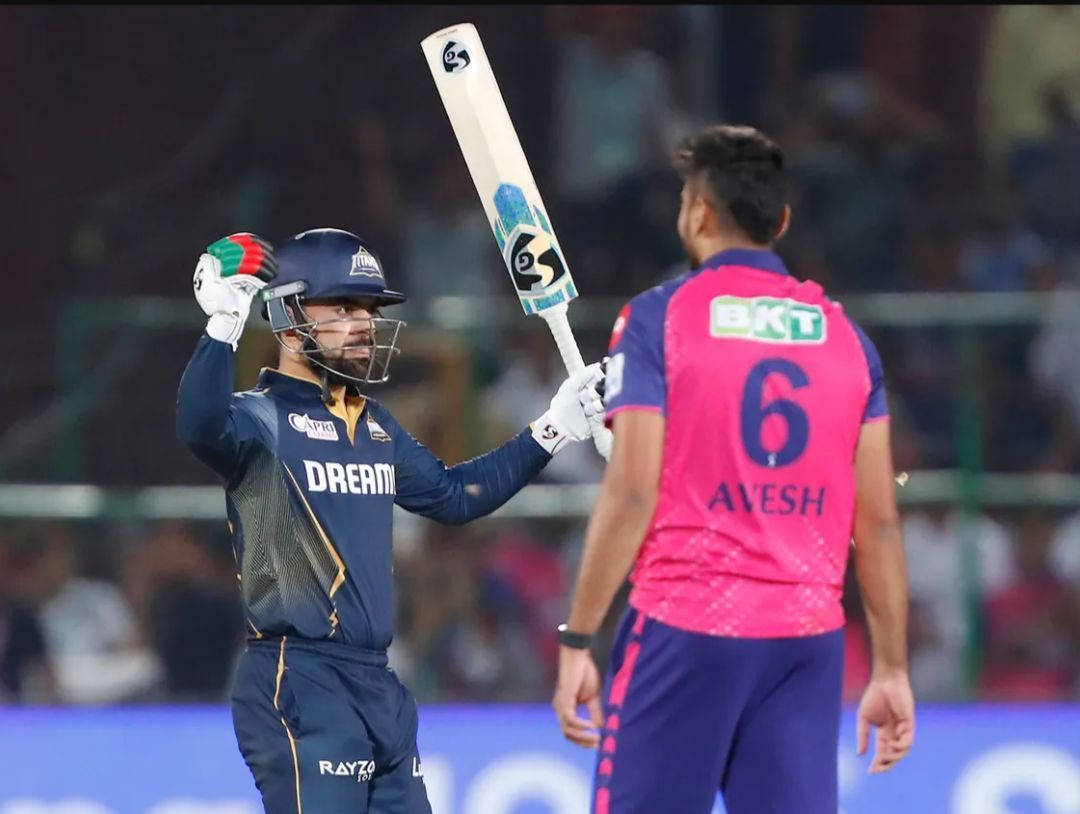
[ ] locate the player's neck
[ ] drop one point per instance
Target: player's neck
(712, 246)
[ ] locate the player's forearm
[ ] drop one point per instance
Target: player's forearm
(614, 537)
(202, 404)
(881, 571)
(479, 486)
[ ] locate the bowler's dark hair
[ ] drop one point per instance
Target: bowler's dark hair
(743, 170)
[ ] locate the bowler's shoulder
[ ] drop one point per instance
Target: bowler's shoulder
(655, 300)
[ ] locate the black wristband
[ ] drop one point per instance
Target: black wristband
(576, 641)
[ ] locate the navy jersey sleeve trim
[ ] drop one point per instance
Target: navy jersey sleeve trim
(877, 406)
(458, 494)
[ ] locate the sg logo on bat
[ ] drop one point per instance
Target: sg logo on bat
(533, 259)
(454, 57)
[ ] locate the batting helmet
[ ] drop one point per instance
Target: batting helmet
(330, 264)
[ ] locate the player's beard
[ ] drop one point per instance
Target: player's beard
(339, 369)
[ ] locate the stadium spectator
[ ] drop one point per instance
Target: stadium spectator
(1030, 624)
(858, 153)
(950, 557)
(1031, 70)
(90, 630)
(187, 600)
(25, 672)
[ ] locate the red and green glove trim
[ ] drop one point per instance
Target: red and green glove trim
(244, 253)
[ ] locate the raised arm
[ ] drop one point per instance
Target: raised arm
(227, 277)
(204, 420)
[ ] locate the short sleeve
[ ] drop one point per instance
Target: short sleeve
(877, 407)
(635, 373)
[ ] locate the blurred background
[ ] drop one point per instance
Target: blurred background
(935, 154)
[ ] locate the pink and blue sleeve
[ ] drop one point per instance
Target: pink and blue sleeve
(877, 406)
(636, 378)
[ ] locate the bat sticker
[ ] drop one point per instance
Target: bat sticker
(533, 260)
(454, 57)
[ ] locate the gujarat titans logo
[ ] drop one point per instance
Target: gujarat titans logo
(533, 260)
(454, 57)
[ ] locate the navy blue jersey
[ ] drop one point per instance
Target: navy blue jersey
(310, 494)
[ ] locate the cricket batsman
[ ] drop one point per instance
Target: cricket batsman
(751, 444)
(312, 468)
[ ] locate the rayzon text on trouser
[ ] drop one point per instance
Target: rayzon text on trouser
(768, 498)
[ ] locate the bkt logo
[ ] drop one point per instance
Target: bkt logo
(767, 319)
(355, 479)
(362, 770)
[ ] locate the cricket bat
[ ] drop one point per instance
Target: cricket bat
(512, 203)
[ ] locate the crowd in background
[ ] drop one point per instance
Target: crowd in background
(931, 150)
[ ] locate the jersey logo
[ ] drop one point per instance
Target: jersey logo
(362, 770)
(313, 428)
(376, 432)
(350, 479)
(364, 264)
(613, 381)
(767, 319)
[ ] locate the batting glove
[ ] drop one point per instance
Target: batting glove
(567, 418)
(228, 276)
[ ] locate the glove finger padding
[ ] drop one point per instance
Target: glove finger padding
(244, 254)
(227, 277)
(591, 395)
(591, 403)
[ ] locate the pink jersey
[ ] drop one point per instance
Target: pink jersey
(765, 384)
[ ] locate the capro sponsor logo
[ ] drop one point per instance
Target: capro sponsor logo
(312, 427)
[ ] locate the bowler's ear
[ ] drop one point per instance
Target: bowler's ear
(785, 222)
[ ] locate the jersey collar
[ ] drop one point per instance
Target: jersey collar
(751, 258)
(273, 379)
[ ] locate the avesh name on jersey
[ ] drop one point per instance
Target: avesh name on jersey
(768, 498)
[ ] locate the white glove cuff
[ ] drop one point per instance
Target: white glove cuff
(548, 434)
(225, 328)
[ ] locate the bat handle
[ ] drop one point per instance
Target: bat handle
(559, 326)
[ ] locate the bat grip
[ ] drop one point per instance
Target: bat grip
(559, 326)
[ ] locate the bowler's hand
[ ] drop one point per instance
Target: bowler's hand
(578, 683)
(889, 706)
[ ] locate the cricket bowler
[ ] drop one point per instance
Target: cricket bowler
(751, 444)
(312, 467)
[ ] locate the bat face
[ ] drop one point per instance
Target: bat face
(466, 84)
